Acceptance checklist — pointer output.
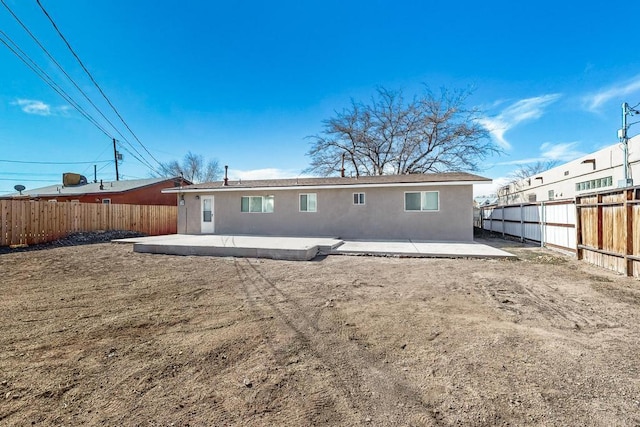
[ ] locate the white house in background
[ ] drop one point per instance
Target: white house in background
(597, 171)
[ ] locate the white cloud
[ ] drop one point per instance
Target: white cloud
(516, 113)
(561, 152)
(32, 106)
(266, 173)
(595, 100)
(565, 151)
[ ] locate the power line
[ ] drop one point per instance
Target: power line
(48, 80)
(27, 180)
(44, 49)
(54, 163)
(143, 161)
(3, 173)
(95, 82)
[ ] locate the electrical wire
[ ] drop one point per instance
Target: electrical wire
(54, 163)
(137, 158)
(68, 97)
(3, 173)
(47, 79)
(95, 82)
(27, 180)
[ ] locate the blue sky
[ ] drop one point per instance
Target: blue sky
(244, 82)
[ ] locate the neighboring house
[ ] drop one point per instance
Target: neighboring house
(485, 200)
(132, 192)
(418, 206)
(602, 170)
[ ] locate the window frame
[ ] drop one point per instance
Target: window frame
(106, 201)
(361, 199)
(263, 204)
(315, 197)
(422, 195)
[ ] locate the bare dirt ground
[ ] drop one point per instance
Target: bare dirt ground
(99, 335)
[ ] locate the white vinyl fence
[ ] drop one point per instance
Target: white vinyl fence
(552, 224)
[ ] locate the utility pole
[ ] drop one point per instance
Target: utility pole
(624, 139)
(115, 157)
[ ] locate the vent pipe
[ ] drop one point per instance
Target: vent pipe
(226, 178)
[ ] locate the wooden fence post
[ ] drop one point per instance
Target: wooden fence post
(579, 253)
(628, 252)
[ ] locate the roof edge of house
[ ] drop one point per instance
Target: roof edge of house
(222, 188)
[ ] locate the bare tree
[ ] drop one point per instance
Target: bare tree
(389, 135)
(521, 178)
(193, 168)
(528, 170)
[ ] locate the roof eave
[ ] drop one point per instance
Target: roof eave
(323, 187)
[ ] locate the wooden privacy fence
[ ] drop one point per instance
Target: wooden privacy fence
(600, 228)
(609, 230)
(551, 224)
(27, 222)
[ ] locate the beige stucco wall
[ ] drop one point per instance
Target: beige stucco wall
(382, 216)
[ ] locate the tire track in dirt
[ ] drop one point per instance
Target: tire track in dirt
(523, 301)
(356, 374)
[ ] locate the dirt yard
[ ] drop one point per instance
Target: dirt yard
(99, 335)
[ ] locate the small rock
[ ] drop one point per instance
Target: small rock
(367, 420)
(247, 383)
(403, 346)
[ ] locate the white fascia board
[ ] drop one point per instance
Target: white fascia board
(321, 187)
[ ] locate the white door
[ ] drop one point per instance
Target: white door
(206, 215)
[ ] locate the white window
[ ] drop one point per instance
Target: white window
(422, 201)
(308, 202)
(106, 201)
(257, 204)
(358, 198)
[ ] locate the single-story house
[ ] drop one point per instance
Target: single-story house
(432, 207)
(130, 192)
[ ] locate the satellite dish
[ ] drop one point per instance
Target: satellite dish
(19, 188)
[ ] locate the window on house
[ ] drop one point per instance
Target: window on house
(308, 202)
(106, 201)
(358, 198)
(421, 201)
(263, 204)
(594, 183)
(552, 195)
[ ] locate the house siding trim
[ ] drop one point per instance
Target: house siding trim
(322, 187)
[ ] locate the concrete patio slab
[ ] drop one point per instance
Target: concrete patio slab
(421, 249)
(286, 248)
(305, 248)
